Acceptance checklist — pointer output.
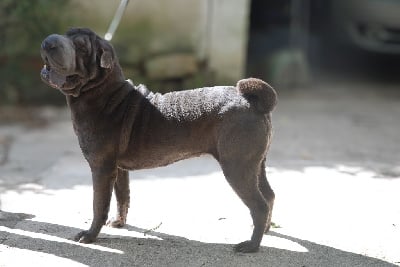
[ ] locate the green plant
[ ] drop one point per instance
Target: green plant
(23, 25)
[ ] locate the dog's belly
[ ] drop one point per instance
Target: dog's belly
(156, 157)
(158, 147)
(159, 141)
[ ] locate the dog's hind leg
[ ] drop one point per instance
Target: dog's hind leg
(267, 192)
(121, 190)
(243, 177)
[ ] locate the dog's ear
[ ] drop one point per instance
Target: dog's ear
(106, 60)
(106, 54)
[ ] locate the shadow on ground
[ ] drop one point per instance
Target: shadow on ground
(158, 249)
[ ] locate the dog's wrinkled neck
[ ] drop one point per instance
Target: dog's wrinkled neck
(102, 87)
(101, 82)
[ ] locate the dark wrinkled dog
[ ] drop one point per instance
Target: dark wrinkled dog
(122, 127)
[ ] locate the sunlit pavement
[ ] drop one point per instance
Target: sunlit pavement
(334, 165)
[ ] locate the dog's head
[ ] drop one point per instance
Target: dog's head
(75, 60)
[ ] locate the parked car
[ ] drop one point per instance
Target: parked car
(373, 25)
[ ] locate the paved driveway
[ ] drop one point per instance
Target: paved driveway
(334, 165)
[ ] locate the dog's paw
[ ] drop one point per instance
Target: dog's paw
(116, 223)
(246, 247)
(85, 237)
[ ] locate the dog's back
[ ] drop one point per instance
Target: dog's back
(189, 105)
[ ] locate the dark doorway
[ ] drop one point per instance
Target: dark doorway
(294, 42)
(268, 32)
(278, 42)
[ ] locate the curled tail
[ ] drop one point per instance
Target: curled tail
(259, 93)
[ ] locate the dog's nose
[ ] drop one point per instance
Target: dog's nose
(50, 42)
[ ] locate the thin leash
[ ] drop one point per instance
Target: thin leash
(116, 20)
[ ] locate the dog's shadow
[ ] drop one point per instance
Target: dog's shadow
(159, 249)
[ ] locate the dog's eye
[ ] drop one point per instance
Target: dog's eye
(82, 49)
(80, 45)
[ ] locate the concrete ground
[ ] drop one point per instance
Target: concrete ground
(334, 165)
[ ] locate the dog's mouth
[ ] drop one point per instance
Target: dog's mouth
(53, 77)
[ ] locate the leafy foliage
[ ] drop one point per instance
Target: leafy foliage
(23, 26)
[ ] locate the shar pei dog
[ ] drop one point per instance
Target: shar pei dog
(122, 127)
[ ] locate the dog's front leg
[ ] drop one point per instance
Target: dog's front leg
(103, 181)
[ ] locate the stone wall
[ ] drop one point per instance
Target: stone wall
(207, 38)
